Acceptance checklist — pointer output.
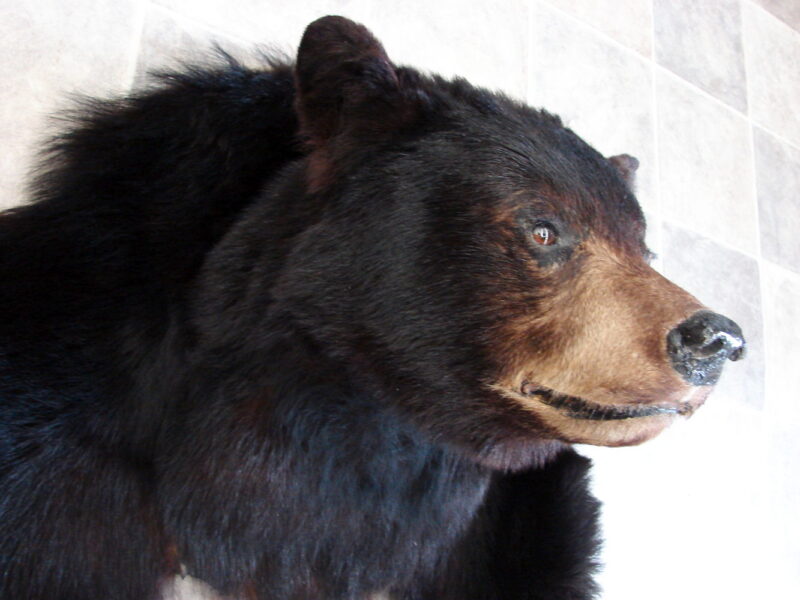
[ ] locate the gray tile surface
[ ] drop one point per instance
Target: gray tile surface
(701, 42)
(603, 92)
(705, 165)
(772, 52)
(727, 282)
(485, 43)
(786, 10)
(263, 21)
(167, 43)
(629, 21)
(778, 185)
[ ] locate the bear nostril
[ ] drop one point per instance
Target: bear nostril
(716, 342)
(699, 346)
(730, 343)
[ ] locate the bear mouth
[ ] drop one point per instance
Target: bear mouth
(580, 408)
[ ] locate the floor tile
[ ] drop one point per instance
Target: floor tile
(630, 22)
(702, 42)
(727, 282)
(778, 183)
(603, 92)
(787, 11)
(485, 43)
(168, 41)
(772, 52)
(273, 23)
(705, 165)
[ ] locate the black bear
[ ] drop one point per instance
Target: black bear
(327, 330)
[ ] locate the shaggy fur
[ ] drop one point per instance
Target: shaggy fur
(253, 326)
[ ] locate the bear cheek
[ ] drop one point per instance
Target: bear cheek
(600, 336)
(621, 311)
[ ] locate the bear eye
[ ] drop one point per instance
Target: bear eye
(544, 234)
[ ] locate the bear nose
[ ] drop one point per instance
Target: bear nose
(700, 345)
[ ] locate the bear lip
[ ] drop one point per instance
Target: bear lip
(580, 408)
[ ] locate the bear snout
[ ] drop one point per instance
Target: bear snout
(699, 346)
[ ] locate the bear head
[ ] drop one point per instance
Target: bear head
(481, 268)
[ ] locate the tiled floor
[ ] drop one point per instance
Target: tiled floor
(708, 50)
(706, 94)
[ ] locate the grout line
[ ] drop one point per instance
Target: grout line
(743, 39)
(751, 138)
(666, 220)
(775, 134)
(655, 108)
(654, 62)
(664, 70)
(730, 109)
(746, 45)
(646, 61)
(601, 34)
(768, 132)
(660, 68)
(784, 271)
(746, 121)
(773, 17)
(757, 217)
(764, 264)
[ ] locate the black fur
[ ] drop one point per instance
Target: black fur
(258, 353)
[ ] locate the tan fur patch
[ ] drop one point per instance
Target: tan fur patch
(319, 173)
(625, 432)
(600, 334)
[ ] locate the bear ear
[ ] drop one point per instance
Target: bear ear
(626, 165)
(345, 82)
